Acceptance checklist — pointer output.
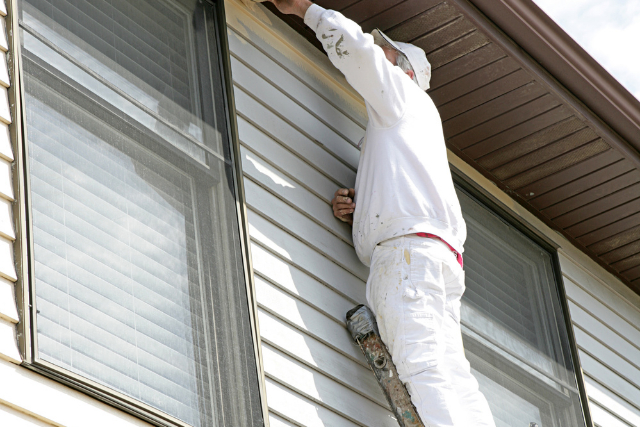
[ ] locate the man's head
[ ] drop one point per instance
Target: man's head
(411, 59)
(398, 59)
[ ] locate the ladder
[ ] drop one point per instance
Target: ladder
(362, 325)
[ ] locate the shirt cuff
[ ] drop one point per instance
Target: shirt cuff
(312, 16)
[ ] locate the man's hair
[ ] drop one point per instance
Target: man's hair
(405, 65)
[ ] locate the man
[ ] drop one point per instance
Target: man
(407, 223)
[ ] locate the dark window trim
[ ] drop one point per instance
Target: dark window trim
(25, 292)
(509, 217)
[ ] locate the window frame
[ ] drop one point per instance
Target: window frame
(24, 258)
(475, 190)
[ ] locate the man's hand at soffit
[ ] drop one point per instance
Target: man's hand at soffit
(292, 7)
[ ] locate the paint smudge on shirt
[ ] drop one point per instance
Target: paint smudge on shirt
(407, 256)
(339, 51)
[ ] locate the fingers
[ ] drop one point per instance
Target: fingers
(343, 195)
(343, 205)
(342, 200)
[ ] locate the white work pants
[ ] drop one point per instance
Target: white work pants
(414, 289)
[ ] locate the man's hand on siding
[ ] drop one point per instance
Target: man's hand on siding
(292, 7)
(343, 205)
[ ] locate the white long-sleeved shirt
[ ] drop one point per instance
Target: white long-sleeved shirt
(403, 184)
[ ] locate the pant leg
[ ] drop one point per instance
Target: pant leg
(414, 288)
(475, 408)
(406, 290)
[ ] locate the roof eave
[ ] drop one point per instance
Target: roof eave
(568, 63)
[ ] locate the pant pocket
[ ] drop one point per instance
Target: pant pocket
(420, 343)
(423, 307)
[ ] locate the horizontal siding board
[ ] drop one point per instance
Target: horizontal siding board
(292, 112)
(292, 193)
(283, 54)
(290, 85)
(4, 71)
(7, 266)
(6, 219)
(276, 421)
(301, 226)
(307, 319)
(8, 309)
(613, 295)
(292, 406)
(598, 320)
(607, 336)
(602, 374)
(329, 301)
(286, 161)
(608, 357)
(6, 150)
(8, 342)
(265, 120)
(318, 387)
(603, 418)
(6, 186)
(10, 417)
(303, 257)
(315, 354)
(603, 397)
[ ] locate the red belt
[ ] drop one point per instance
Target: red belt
(456, 253)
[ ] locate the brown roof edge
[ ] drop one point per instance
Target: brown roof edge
(567, 62)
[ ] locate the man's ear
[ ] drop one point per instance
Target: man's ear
(410, 73)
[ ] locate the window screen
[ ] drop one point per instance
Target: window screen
(515, 335)
(137, 268)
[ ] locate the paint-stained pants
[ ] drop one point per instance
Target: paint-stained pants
(414, 288)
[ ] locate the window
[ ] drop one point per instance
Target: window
(137, 275)
(513, 325)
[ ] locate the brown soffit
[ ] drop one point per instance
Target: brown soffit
(526, 24)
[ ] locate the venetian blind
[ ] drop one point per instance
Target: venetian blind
(137, 270)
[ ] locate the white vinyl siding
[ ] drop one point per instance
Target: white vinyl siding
(8, 312)
(606, 320)
(298, 138)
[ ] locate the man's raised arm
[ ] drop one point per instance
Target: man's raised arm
(355, 54)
